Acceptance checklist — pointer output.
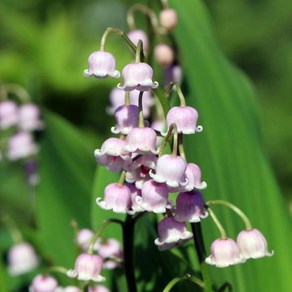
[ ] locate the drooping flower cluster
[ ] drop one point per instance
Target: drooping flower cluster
(96, 254)
(148, 175)
(249, 244)
(48, 283)
(17, 124)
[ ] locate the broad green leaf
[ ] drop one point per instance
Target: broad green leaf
(66, 170)
(230, 152)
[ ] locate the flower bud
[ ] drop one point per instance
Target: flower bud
(138, 34)
(168, 19)
(164, 55)
(21, 145)
(8, 114)
(111, 248)
(29, 117)
(84, 237)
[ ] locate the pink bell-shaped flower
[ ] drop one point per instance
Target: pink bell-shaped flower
(190, 207)
(141, 140)
(8, 114)
(171, 233)
(117, 98)
(116, 198)
(168, 19)
(138, 34)
(224, 252)
(127, 117)
(21, 145)
(135, 192)
(22, 259)
(159, 126)
(112, 155)
(154, 197)
(170, 170)
(87, 268)
(139, 169)
(29, 117)
(252, 244)
(101, 65)
(193, 175)
(111, 249)
(185, 118)
(43, 283)
(138, 76)
(84, 237)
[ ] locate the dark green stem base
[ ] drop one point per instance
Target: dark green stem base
(201, 253)
(128, 239)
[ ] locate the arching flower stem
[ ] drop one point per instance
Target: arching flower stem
(181, 147)
(218, 224)
(122, 178)
(176, 280)
(127, 98)
(124, 36)
(178, 90)
(15, 89)
(165, 4)
(235, 209)
(12, 228)
(99, 231)
(166, 139)
(175, 141)
(56, 269)
(145, 10)
(141, 115)
(139, 52)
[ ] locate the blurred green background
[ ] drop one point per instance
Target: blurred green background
(44, 47)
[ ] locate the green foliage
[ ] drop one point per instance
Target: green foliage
(66, 170)
(230, 151)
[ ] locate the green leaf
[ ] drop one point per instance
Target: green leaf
(230, 152)
(66, 171)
